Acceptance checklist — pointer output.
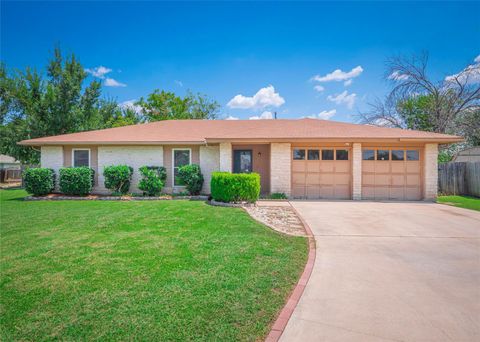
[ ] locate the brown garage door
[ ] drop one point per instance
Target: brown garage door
(321, 172)
(391, 173)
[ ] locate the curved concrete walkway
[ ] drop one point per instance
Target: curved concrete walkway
(390, 272)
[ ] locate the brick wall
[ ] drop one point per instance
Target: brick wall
(52, 157)
(430, 174)
(280, 168)
(134, 156)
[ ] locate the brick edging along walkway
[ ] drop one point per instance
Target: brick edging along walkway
(282, 320)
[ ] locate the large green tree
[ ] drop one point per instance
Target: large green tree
(164, 105)
(35, 105)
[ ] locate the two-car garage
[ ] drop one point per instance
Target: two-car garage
(325, 172)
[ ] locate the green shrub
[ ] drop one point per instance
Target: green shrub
(192, 177)
(39, 181)
(276, 195)
(161, 170)
(76, 180)
(151, 183)
(235, 187)
(118, 178)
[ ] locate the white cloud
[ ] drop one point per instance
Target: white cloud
(324, 115)
(179, 83)
(339, 75)
(110, 82)
(327, 114)
(231, 118)
(343, 98)
(470, 75)
(99, 71)
(130, 104)
(347, 82)
(319, 88)
(265, 97)
(264, 116)
(397, 76)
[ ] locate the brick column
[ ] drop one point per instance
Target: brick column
(430, 172)
(226, 157)
(209, 162)
(280, 168)
(357, 171)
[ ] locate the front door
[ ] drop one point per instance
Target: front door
(242, 161)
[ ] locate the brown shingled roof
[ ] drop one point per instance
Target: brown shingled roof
(202, 131)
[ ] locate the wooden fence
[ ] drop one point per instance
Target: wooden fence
(459, 179)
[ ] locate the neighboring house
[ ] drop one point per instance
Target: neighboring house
(305, 158)
(10, 169)
(471, 155)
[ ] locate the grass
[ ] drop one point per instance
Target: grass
(166, 270)
(461, 201)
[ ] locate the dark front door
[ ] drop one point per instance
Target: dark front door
(242, 161)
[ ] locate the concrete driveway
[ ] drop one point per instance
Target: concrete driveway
(390, 272)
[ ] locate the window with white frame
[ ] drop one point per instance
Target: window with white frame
(81, 157)
(181, 157)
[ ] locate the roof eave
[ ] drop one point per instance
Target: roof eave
(442, 140)
(118, 143)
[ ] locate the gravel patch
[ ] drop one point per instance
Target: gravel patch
(280, 218)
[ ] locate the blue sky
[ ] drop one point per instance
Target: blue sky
(232, 51)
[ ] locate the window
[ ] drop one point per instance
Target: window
(242, 161)
(368, 155)
(327, 154)
(383, 154)
(80, 157)
(298, 154)
(398, 155)
(313, 154)
(181, 157)
(342, 154)
(413, 155)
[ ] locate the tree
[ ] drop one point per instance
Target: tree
(163, 105)
(32, 105)
(451, 105)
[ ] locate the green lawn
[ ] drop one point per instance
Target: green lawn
(461, 201)
(161, 270)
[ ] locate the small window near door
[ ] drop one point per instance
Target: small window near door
(342, 154)
(298, 154)
(313, 154)
(413, 155)
(181, 157)
(368, 154)
(81, 157)
(383, 155)
(327, 154)
(242, 161)
(398, 155)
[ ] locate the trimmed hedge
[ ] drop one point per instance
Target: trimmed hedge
(118, 178)
(39, 181)
(235, 187)
(151, 183)
(192, 177)
(76, 180)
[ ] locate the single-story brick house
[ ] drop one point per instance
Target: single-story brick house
(304, 158)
